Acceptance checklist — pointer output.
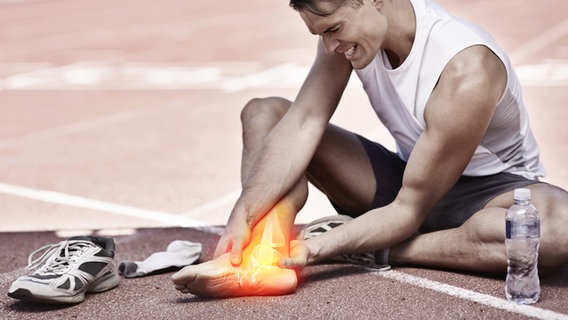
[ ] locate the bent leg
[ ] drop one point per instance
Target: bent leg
(340, 168)
(479, 244)
(258, 273)
(258, 118)
(352, 187)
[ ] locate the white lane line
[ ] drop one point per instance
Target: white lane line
(230, 77)
(287, 75)
(166, 218)
(177, 220)
(545, 38)
(549, 73)
(215, 206)
(498, 303)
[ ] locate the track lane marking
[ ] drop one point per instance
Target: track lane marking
(184, 221)
(103, 206)
(99, 75)
(465, 294)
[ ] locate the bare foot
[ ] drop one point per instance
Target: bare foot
(219, 278)
(258, 274)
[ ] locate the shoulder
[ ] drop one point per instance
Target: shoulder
(475, 69)
(470, 87)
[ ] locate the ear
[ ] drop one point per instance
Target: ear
(377, 3)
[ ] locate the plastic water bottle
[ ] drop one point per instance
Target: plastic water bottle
(522, 241)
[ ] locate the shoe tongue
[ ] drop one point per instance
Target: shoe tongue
(62, 253)
(86, 238)
(106, 244)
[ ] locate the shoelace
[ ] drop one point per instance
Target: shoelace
(57, 256)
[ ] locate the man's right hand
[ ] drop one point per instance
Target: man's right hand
(235, 237)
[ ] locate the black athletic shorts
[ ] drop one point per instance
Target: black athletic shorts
(469, 195)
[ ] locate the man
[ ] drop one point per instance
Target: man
(451, 100)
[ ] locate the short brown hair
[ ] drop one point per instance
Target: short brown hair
(312, 5)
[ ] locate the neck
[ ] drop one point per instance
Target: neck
(401, 30)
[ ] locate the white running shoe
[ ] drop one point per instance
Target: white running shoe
(67, 270)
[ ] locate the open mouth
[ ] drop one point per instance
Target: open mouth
(350, 52)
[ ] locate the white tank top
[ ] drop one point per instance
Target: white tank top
(399, 95)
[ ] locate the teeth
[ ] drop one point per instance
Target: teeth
(350, 52)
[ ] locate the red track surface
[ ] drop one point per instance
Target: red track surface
(127, 114)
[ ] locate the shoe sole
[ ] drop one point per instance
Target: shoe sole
(327, 223)
(103, 284)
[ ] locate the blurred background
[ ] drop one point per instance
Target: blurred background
(116, 115)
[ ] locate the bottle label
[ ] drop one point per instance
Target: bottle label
(522, 228)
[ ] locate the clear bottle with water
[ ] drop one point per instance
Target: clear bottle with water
(522, 241)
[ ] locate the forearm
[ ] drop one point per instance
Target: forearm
(389, 225)
(278, 170)
(291, 144)
(377, 229)
(248, 212)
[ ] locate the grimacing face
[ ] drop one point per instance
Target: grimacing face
(357, 33)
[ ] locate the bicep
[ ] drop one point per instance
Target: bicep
(457, 115)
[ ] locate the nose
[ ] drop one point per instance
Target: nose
(330, 43)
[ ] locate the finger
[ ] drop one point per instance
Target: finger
(180, 287)
(291, 263)
(177, 279)
(237, 253)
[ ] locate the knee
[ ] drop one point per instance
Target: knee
(552, 206)
(264, 108)
(554, 217)
(553, 220)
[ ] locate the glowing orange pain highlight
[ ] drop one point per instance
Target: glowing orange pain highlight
(258, 273)
(265, 251)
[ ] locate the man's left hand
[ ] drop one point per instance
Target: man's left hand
(299, 255)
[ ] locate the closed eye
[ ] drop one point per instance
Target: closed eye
(332, 29)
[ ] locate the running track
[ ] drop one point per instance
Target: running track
(121, 118)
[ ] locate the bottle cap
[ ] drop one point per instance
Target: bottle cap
(522, 194)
